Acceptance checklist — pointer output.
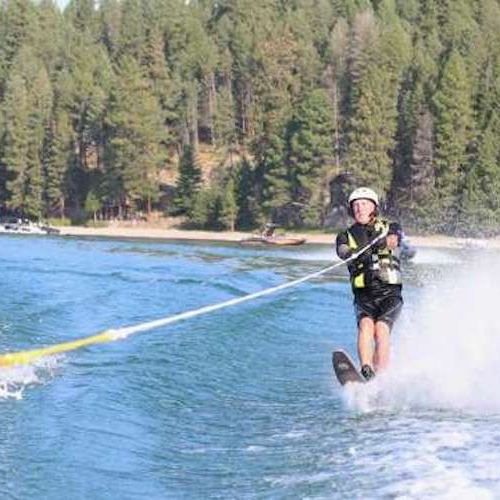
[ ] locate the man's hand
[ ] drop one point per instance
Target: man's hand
(344, 252)
(392, 241)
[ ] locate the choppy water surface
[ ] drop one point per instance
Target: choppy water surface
(241, 403)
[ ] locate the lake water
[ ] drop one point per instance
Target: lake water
(242, 403)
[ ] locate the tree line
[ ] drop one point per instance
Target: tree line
(108, 109)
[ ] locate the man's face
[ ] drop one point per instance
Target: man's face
(363, 210)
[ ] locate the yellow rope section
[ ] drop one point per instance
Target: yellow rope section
(27, 357)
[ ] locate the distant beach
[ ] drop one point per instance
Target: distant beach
(127, 230)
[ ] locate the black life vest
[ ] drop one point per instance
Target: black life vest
(382, 264)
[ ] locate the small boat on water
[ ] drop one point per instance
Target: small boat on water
(268, 237)
(274, 240)
(19, 226)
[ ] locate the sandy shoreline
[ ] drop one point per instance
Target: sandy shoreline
(142, 231)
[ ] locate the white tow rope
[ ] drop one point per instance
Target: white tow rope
(121, 333)
(26, 357)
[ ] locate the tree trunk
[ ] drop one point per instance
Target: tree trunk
(193, 119)
(212, 106)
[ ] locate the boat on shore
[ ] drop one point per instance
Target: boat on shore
(269, 237)
(20, 226)
(273, 240)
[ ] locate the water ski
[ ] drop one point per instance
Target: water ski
(344, 368)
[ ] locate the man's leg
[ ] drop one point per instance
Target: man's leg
(366, 336)
(382, 345)
(390, 308)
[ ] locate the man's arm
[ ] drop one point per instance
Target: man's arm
(342, 246)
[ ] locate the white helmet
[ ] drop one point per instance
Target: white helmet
(364, 193)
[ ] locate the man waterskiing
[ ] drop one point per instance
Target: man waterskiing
(375, 277)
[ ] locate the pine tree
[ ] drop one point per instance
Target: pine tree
(92, 205)
(453, 135)
(16, 140)
(233, 74)
(229, 205)
(189, 182)
(337, 82)
(41, 97)
(349, 8)
(310, 155)
(135, 151)
(428, 46)
(480, 214)
(225, 120)
(419, 208)
(272, 174)
(48, 38)
(81, 15)
(484, 63)
(82, 90)
(18, 25)
(60, 157)
(133, 26)
(246, 195)
(376, 81)
(162, 85)
(27, 113)
(109, 21)
(458, 27)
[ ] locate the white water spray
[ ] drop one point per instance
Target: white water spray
(14, 380)
(446, 348)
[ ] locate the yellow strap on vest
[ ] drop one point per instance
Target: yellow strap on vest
(351, 242)
(359, 281)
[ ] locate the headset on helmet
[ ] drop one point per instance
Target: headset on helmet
(364, 193)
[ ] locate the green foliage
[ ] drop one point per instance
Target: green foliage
(218, 207)
(246, 195)
(59, 156)
(16, 140)
(310, 154)
(135, 139)
(230, 205)
(81, 15)
(272, 172)
(115, 100)
(481, 207)
(453, 134)
(225, 120)
(27, 112)
(92, 205)
(189, 182)
(18, 26)
(376, 88)
(59, 221)
(207, 209)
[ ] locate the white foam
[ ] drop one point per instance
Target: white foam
(438, 404)
(447, 351)
(14, 380)
(425, 255)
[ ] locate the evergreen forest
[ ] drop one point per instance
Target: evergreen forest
(232, 113)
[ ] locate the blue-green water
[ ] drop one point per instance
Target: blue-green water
(240, 403)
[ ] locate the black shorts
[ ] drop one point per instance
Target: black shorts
(378, 306)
